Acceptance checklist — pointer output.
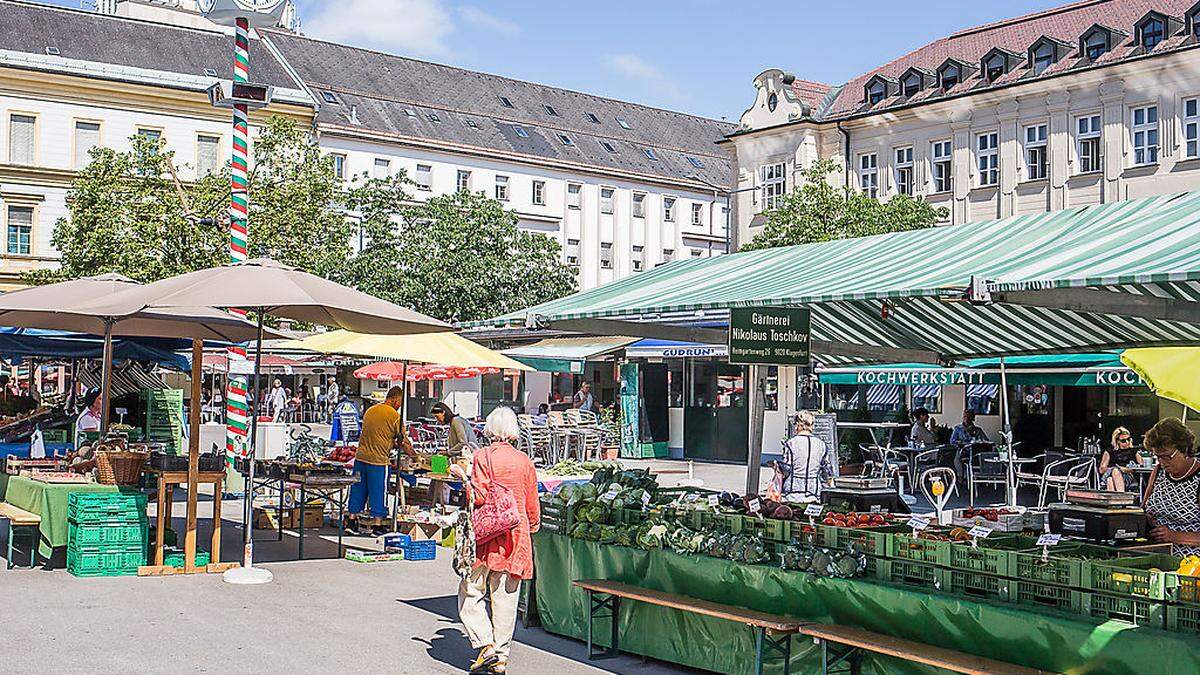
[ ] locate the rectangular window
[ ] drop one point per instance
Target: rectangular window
(208, 154)
(697, 253)
(150, 134)
(1037, 161)
(668, 255)
(87, 137)
(551, 111)
(608, 146)
(606, 249)
(572, 251)
(695, 162)
(868, 174)
(904, 171)
(505, 102)
(774, 184)
(520, 131)
(638, 258)
(942, 156)
(1191, 128)
(574, 195)
(592, 118)
(669, 209)
(22, 139)
(1087, 139)
(639, 205)
(697, 214)
(20, 230)
(383, 168)
(624, 125)
(565, 140)
(606, 200)
(987, 147)
(650, 154)
(1145, 135)
(433, 117)
(502, 188)
(424, 177)
(463, 181)
(339, 165)
(539, 193)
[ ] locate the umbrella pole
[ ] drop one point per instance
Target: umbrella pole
(404, 430)
(1006, 435)
(106, 368)
(247, 573)
(193, 471)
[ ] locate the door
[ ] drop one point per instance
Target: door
(716, 423)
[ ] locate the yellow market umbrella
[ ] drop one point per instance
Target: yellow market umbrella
(443, 349)
(1170, 371)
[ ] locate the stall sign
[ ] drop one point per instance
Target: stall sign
(772, 336)
(1118, 377)
(914, 377)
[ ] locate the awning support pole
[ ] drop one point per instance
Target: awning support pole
(755, 381)
(106, 373)
(1006, 436)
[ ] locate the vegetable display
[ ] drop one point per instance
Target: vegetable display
(574, 467)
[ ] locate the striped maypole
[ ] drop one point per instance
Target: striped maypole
(237, 411)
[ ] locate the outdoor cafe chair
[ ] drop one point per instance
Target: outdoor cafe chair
(926, 460)
(1067, 473)
(562, 437)
(981, 471)
(589, 436)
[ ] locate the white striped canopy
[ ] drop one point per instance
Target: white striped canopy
(1144, 247)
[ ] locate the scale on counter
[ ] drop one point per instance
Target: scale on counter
(859, 483)
(1099, 517)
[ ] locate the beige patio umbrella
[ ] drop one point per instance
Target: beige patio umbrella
(266, 287)
(67, 306)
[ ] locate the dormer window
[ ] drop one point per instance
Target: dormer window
(1043, 57)
(876, 91)
(1152, 33)
(951, 76)
(997, 62)
(911, 84)
(1099, 40)
(993, 68)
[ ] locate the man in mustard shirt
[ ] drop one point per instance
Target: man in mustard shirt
(381, 428)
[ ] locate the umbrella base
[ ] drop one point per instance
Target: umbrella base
(247, 576)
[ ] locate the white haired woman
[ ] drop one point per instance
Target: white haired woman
(808, 461)
(500, 563)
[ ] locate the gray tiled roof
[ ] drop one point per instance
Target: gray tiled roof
(88, 36)
(383, 87)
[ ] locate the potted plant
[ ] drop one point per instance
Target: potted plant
(609, 423)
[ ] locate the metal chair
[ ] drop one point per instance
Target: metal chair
(981, 471)
(588, 435)
(561, 436)
(1033, 478)
(924, 461)
(887, 463)
(1068, 473)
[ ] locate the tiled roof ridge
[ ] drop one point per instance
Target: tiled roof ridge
(565, 90)
(514, 121)
(813, 84)
(1004, 23)
(111, 17)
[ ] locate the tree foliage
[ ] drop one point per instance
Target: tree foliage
(456, 257)
(817, 210)
(462, 257)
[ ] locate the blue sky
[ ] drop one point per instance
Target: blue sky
(698, 56)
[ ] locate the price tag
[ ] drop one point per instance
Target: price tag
(813, 510)
(610, 495)
(645, 498)
(918, 523)
(980, 532)
(713, 500)
(1049, 539)
(876, 509)
(754, 506)
(691, 497)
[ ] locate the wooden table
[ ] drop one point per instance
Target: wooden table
(167, 480)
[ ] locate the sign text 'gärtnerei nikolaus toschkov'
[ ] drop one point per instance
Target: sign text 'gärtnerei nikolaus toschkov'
(776, 336)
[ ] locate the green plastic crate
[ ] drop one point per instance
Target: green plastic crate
(908, 572)
(1185, 590)
(117, 561)
(1062, 565)
(1183, 619)
(1133, 576)
(874, 541)
(106, 534)
(976, 584)
(767, 528)
(909, 546)
(174, 557)
(556, 518)
(1046, 595)
(993, 555)
(1138, 611)
(87, 508)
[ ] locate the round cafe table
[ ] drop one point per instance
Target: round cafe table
(1143, 473)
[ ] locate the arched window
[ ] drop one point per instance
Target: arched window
(1095, 44)
(772, 102)
(1153, 32)
(1043, 57)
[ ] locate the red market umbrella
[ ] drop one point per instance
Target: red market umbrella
(393, 371)
(383, 371)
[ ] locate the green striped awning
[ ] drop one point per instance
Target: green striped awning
(1144, 247)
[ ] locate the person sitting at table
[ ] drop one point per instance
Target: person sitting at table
(542, 415)
(921, 434)
(967, 433)
(1114, 463)
(807, 465)
(1172, 500)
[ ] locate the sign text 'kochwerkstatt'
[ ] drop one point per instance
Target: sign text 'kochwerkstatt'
(774, 336)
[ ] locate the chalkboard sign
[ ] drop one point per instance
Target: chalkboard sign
(825, 428)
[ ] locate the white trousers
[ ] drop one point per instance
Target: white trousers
(503, 591)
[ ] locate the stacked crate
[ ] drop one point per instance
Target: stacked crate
(107, 533)
(164, 417)
(1183, 612)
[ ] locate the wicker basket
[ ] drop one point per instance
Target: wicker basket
(119, 467)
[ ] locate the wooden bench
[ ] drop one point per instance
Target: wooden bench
(766, 626)
(20, 520)
(848, 641)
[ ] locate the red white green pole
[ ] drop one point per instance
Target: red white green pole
(237, 412)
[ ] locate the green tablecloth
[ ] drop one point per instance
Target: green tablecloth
(1026, 636)
(48, 501)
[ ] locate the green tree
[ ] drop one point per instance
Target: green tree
(817, 210)
(129, 213)
(461, 257)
